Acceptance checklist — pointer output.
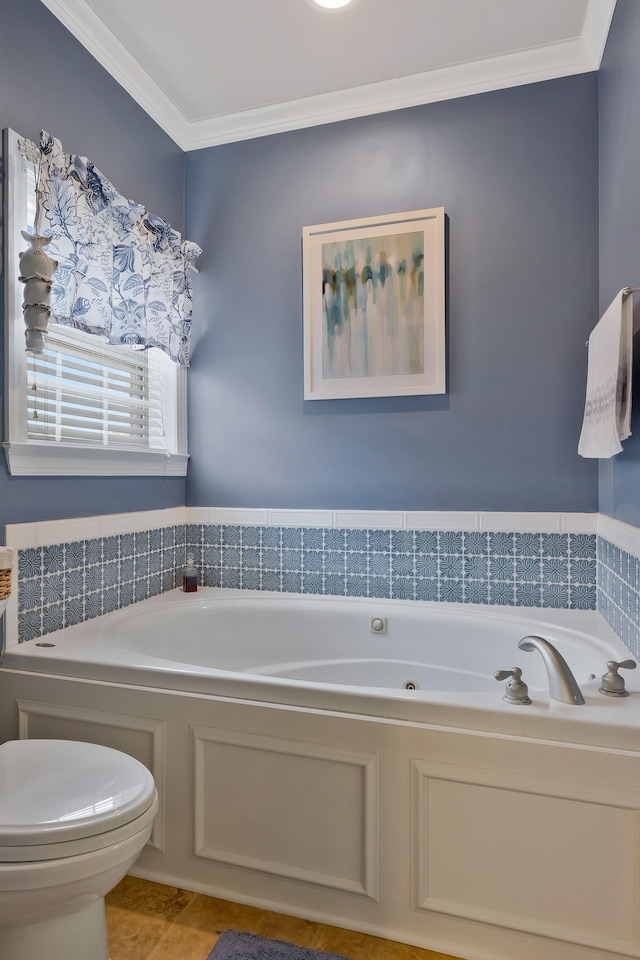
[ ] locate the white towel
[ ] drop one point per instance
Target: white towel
(607, 412)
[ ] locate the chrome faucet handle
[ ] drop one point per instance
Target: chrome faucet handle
(516, 690)
(612, 682)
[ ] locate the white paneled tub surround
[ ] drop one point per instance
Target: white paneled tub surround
(298, 774)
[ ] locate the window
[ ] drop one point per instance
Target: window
(84, 406)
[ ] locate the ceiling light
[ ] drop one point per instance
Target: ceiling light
(332, 4)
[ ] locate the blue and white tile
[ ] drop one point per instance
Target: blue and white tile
(110, 599)
(292, 538)
(380, 541)
(335, 584)
(502, 568)
(528, 544)
(30, 563)
(582, 597)
(230, 534)
(426, 541)
(313, 538)
(402, 565)
(502, 544)
(291, 559)
(74, 554)
(93, 578)
(380, 565)
(356, 585)
(357, 540)
(250, 579)
(502, 594)
(334, 562)
(356, 562)
(528, 569)
(402, 541)
(403, 588)
(271, 559)
(291, 581)
(30, 594)
(451, 591)
(450, 541)
(271, 537)
(476, 543)
(555, 595)
(555, 570)
(528, 594)
(427, 565)
(427, 588)
(53, 588)
(29, 624)
(271, 580)
(476, 591)
(312, 561)
(476, 567)
(93, 551)
(555, 545)
(250, 537)
(335, 539)
(93, 605)
(52, 618)
(379, 587)
(53, 558)
(451, 567)
(312, 582)
(73, 611)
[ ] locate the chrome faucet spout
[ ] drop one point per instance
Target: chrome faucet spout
(562, 683)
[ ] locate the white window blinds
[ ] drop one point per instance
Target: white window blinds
(81, 391)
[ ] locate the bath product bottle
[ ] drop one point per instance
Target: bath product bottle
(190, 577)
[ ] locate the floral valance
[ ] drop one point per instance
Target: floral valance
(123, 274)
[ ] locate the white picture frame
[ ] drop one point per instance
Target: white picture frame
(374, 306)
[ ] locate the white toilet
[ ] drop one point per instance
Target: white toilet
(73, 819)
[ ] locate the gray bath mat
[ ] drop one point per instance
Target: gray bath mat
(245, 946)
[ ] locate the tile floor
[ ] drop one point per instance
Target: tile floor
(150, 921)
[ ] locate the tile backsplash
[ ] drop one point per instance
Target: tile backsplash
(523, 569)
(64, 583)
(618, 599)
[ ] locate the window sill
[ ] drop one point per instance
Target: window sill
(58, 460)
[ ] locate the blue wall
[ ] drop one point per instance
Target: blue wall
(619, 109)
(516, 171)
(48, 80)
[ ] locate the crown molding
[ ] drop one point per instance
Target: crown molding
(462, 80)
(566, 58)
(595, 31)
(101, 43)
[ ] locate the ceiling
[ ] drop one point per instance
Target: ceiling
(212, 72)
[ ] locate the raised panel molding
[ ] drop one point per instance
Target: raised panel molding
(309, 788)
(577, 835)
(109, 730)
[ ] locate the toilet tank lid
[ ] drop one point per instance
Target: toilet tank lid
(55, 790)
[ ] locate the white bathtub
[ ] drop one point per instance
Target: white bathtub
(297, 773)
(323, 652)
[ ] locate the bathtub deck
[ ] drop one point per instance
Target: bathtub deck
(151, 921)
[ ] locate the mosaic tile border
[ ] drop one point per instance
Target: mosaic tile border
(63, 583)
(618, 600)
(509, 569)
(66, 583)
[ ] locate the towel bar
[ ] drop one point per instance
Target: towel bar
(625, 292)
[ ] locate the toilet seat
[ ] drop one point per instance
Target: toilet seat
(63, 797)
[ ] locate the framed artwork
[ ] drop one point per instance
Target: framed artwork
(374, 310)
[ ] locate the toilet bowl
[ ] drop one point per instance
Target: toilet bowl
(73, 819)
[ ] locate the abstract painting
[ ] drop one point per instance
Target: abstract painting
(374, 306)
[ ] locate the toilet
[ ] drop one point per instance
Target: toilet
(74, 818)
